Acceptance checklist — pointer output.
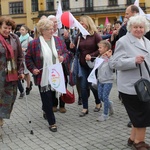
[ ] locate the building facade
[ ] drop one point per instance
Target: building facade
(28, 12)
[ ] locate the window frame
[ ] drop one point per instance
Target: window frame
(50, 3)
(112, 2)
(16, 7)
(34, 4)
(65, 4)
(130, 2)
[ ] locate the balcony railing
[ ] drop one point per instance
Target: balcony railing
(94, 10)
(99, 9)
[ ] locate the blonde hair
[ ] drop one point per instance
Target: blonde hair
(106, 44)
(87, 20)
(44, 24)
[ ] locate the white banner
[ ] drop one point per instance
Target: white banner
(56, 78)
(92, 78)
(141, 12)
(58, 15)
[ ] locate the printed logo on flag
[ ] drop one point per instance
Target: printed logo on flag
(55, 78)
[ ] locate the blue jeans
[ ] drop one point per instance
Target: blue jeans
(103, 94)
(85, 86)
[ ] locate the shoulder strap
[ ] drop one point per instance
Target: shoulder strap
(146, 68)
(78, 42)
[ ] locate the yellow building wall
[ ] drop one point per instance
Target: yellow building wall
(30, 18)
(147, 2)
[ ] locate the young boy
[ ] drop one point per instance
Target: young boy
(105, 78)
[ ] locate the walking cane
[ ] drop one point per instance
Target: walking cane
(27, 107)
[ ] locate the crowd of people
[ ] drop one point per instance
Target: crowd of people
(123, 48)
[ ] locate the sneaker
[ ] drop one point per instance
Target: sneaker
(102, 118)
(111, 108)
(21, 95)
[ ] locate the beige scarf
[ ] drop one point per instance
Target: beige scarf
(47, 61)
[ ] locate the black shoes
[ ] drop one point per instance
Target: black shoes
(130, 142)
(29, 89)
(44, 116)
(21, 95)
(97, 109)
(53, 128)
(82, 114)
(129, 124)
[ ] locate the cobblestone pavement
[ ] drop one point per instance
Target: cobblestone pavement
(74, 132)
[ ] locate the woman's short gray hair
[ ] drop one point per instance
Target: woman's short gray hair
(44, 24)
(138, 20)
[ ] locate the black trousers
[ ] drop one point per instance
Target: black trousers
(55, 100)
(47, 105)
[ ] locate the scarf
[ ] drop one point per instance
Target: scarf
(47, 61)
(23, 37)
(12, 74)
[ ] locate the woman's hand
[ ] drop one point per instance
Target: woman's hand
(36, 71)
(24, 49)
(139, 59)
(88, 57)
(21, 76)
(72, 45)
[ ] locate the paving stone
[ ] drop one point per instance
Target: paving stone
(74, 132)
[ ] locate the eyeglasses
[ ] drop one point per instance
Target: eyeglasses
(55, 22)
(50, 29)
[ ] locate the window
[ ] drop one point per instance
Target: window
(112, 2)
(34, 5)
(129, 2)
(88, 5)
(65, 4)
(16, 8)
(50, 5)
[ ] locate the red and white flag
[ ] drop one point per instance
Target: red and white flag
(75, 23)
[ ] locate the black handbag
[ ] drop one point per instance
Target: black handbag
(142, 86)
